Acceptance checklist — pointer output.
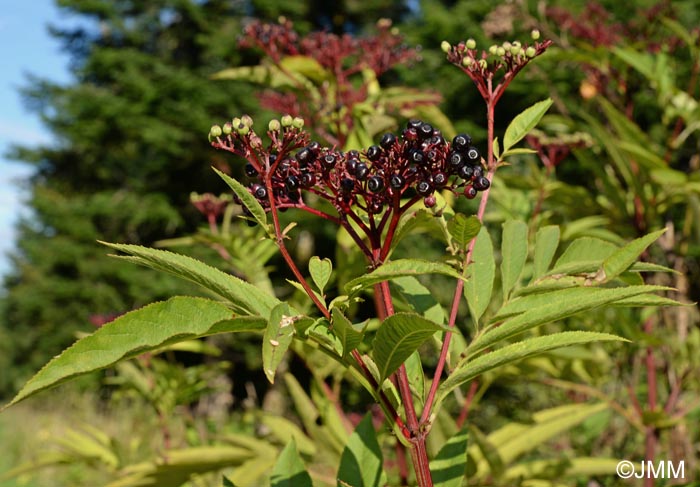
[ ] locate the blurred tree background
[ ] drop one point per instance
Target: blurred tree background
(130, 145)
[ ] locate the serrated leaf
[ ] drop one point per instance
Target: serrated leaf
(467, 370)
(546, 243)
(244, 297)
(349, 337)
(582, 254)
(153, 326)
(320, 271)
(400, 268)
(398, 337)
(277, 338)
(362, 462)
(623, 258)
(561, 307)
(524, 122)
(290, 471)
(514, 254)
(449, 467)
(482, 272)
(463, 229)
(248, 200)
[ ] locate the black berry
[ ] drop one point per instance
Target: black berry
(250, 171)
(291, 183)
(387, 141)
(470, 192)
(305, 156)
(439, 179)
(414, 124)
(424, 188)
(461, 142)
(416, 156)
(259, 191)
(347, 185)
(361, 171)
(482, 184)
(473, 154)
(477, 172)
(373, 153)
(308, 180)
(397, 181)
(375, 184)
(455, 159)
(425, 131)
(465, 172)
(329, 160)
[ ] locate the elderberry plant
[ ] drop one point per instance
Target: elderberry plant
(376, 194)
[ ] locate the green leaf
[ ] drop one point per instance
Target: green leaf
(172, 468)
(449, 467)
(306, 66)
(623, 258)
(248, 200)
(362, 462)
(467, 370)
(479, 286)
(398, 337)
(420, 298)
(285, 431)
(400, 268)
(178, 319)
(518, 151)
(463, 229)
(489, 452)
(496, 149)
(562, 304)
(277, 338)
(349, 337)
(514, 254)
(289, 470)
(546, 243)
(416, 379)
(585, 254)
(320, 271)
(524, 122)
(244, 297)
(226, 482)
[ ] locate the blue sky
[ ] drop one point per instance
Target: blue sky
(25, 47)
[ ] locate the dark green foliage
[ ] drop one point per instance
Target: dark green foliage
(128, 152)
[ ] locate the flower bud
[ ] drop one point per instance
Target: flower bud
(535, 34)
(445, 46)
(274, 125)
(471, 44)
(298, 122)
(286, 121)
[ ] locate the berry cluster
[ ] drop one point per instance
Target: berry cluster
(412, 165)
(483, 66)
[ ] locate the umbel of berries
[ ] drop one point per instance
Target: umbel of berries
(389, 177)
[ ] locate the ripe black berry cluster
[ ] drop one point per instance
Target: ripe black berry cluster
(410, 166)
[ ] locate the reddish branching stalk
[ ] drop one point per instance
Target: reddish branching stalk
(367, 189)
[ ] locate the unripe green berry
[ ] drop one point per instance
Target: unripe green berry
(500, 51)
(483, 64)
(228, 128)
(242, 129)
(286, 121)
(274, 125)
(236, 121)
(467, 61)
(247, 121)
(506, 45)
(493, 49)
(535, 34)
(471, 44)
(515, 50)
(445, 46)
(298, 122)
(215, 131)
(530, 52)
